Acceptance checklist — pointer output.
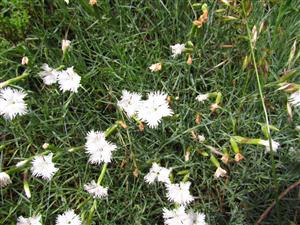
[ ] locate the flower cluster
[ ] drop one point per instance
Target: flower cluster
(179, 216)
(35, 220)
(178, 193)
(68, 79)
(150, 111)
(68, 217)
(158, 173)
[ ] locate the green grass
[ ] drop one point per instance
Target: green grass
(113, 45)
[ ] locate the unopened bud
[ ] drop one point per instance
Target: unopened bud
(4, 179)
(93, 2)
(122, 124)
(229, 18)
(189, 60)
(225, 158)
(65, 44)
(214, 107)
(234, 145)
(198, 119)
(254, 35)
(155, 67)
(45, 146)
(289, 111)
(141, 126)
(25, 60)
(238, 157)
(187, 155)
(220, 172)
(136, 172)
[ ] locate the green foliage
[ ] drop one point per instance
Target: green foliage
(113, 44)
(14, 19)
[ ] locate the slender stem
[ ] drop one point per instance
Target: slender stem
(110, 130)
(104, 168)
(24, 165)
(59, 153)
(258, 82)
(263, 103)
(13, 80)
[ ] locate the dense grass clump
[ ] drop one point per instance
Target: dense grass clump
(112, 45)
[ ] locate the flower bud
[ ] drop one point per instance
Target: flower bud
(45, 146)
(25, 60)
(189, 60)
(220, 172)
(238, 157)
(65, 45)
(93, 2)
(225, 158)
(214, 107)
(4, 179)
(155, 67)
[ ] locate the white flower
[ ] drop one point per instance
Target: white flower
(130, 102)
(202, 97)
(49, 75)
(197, 218)
(65, 44)
(220, 172)
(201, 138)
(297, 128)
(69, 80)
(4, 179)
(96, 190)
(177, 49)
(35, 220)
(42, 166)
(176, 217)
(98, 148)
(68, 217)
(162, 174)
(12, 103)
(155, 67)
(180, 193)
(294, 99)
(67, 1)
(266, 143)
(154, 109)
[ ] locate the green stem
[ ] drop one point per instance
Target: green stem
(104, 168)
(111, 129)
(15, 169)
(59, 153)
(262, 101)
(13, 80)
(259, 86)
(214, 160)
